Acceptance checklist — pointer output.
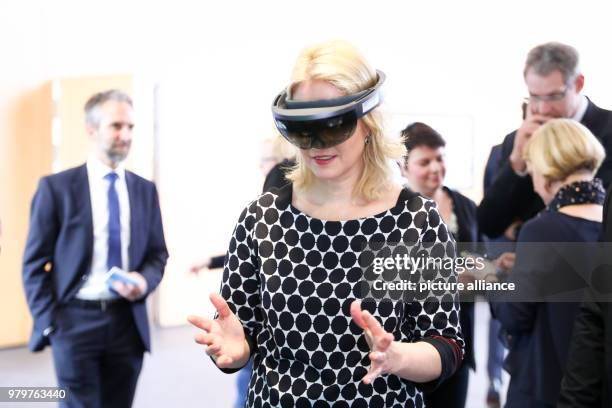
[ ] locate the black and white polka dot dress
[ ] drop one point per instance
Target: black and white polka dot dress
(291, 279)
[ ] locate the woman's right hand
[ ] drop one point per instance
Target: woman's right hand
(223, 337)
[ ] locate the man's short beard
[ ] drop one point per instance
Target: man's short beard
(115, 157)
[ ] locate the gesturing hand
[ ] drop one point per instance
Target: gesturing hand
(531, 123)
(381, 343)
(224, 336)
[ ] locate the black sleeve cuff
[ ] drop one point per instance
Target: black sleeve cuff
(216, 262)
(252, 347)
(451, 357)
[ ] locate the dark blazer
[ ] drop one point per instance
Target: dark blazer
(492, 167)
(60, 240)
(512, 197)
(539, 331)
(453, 391)
(588, 378)
(468, 234)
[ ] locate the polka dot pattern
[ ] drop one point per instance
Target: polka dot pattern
(291, 278)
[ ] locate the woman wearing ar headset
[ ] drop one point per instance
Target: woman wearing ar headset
(295, 287)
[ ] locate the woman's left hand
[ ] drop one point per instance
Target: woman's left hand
(381, 343)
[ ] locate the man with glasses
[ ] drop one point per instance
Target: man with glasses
(554, 82)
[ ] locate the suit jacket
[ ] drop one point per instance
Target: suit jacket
(588, 377)
(512, 197)
(59, 246)
(471, 240)
(492, 166)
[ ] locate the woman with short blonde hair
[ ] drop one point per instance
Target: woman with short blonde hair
(563, 147)
(562, 158)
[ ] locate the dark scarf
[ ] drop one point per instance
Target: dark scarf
(578, 192)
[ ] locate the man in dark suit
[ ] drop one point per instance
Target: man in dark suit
(554, 82)
(587, 382)
(84, 221)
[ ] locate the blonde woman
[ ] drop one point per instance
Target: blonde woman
(294, 279)
(562, 158)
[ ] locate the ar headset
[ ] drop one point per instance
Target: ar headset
(326, 122)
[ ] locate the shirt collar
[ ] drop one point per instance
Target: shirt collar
(98, 170)
(582, 107)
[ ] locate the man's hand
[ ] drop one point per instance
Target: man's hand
(129, 291)
(506, 261)
(466, 278)
(531, 123)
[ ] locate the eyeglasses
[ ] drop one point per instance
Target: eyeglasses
(553, 97)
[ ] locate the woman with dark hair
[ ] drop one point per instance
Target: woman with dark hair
(424, 168)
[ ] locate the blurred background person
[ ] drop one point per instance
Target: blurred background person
(424, 168)
(283, 155)
(277, 158)
(587, 382)
(562, 158)
(268, 155)
(84, 222)
(554, 81)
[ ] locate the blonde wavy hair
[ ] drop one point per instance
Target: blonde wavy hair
(562, 147)
(340, 64)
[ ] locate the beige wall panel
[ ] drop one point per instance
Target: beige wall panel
(25, 155)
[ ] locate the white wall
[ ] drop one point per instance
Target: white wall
(219, 64)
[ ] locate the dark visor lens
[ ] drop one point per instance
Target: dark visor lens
(318, 134)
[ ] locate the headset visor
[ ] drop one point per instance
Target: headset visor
(318, 134)
(323, 123)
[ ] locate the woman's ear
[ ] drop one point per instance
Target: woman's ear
(550, 186)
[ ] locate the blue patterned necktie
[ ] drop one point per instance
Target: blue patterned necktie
(114, 224)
